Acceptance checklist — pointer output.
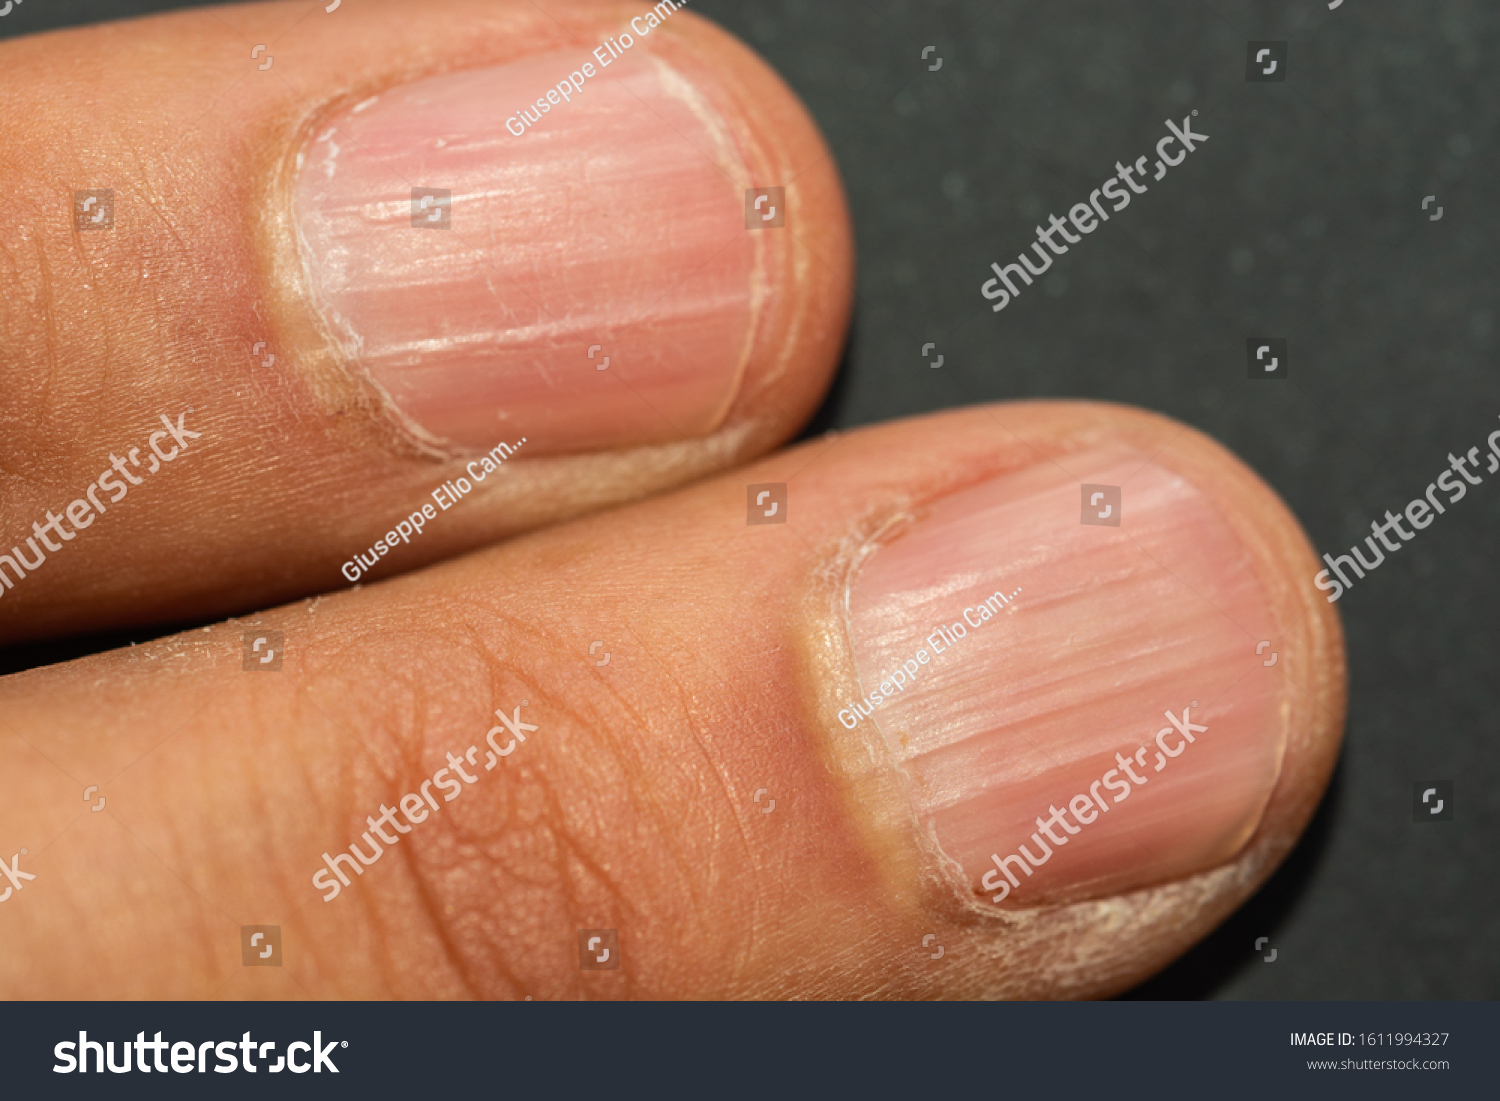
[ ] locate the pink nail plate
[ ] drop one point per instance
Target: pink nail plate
(1078, 708)
(590, 284)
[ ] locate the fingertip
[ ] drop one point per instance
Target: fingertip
(600, 286)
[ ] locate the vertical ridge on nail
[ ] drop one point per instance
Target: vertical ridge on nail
(1115, 626)
(589, 282)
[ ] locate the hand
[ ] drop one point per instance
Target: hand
(636, 796)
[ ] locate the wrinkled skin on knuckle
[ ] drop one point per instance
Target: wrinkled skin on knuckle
(597, 821)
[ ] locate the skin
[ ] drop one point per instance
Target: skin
(94, 351)
(632, 807)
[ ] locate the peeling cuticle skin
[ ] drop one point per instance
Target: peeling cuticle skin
(1076, 642)
(481, 331)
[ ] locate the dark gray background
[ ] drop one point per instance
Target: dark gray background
(1300, 217)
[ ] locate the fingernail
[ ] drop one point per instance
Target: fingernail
(589, 283)
(1077, 707)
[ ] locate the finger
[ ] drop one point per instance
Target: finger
(693, 783)
(244, 363)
